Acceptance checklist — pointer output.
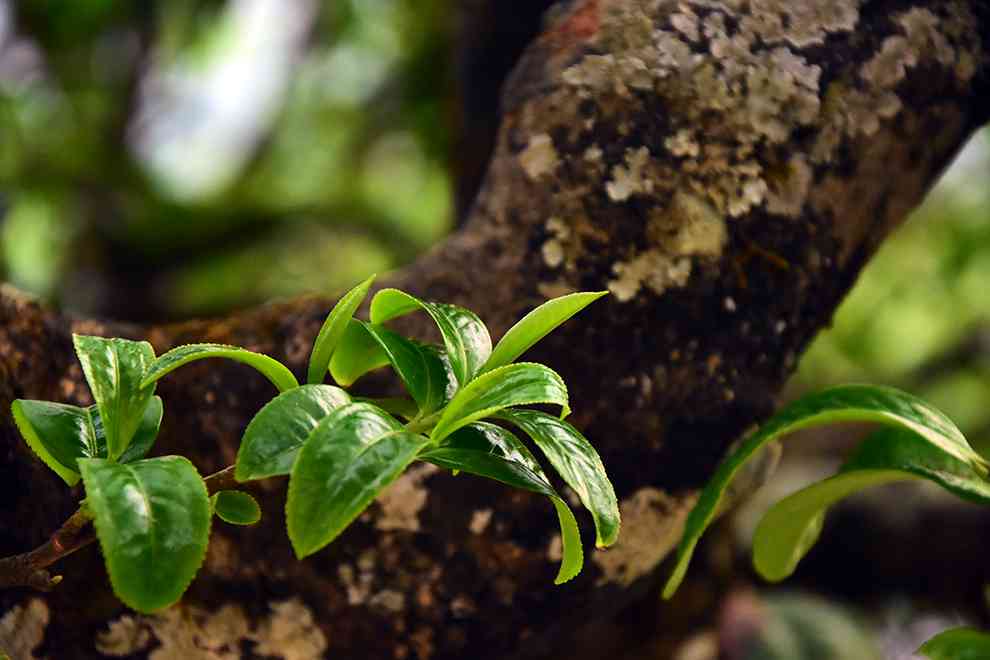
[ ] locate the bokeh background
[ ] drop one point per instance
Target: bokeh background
(162, 160)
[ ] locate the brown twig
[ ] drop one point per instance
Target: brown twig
(29, 569)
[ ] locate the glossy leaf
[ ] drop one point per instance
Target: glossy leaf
(114, 369)
(348, 459)
(357, 354)
(419, 366)
(401, 406)
(152, 518)
(847, 403)
(146, 434)
(578, 464)
(333, 331)
(490, 451)
(61, 434)
(536, 325)
(465, 337)
(513, 385)
(270, 368)
(957, 644)
(273, 437)
(235, 507)
(791, 527)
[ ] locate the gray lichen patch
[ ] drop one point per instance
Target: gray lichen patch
(539, 158)
(22, 629)
(652, 523)
(187, 632)
(403, 500)
(629, 179)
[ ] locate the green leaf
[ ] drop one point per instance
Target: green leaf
(270, 368)
(357, 354)
(273, 437)
(578, 463)
(146, 433)
(847, 403)
(791, 527)
(465, 337)
(536, 325)
(61, 434)
(492, 452)
(419, 366)
(58, 433)
(512, 385)
(113, 369)
(333, 331)
(957, 644)
(235, 507)
(152, 518)
(401, 406)
(350, 457)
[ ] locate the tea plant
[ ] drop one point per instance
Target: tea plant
(152, 516)
(916, 441)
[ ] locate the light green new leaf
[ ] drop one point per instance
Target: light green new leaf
(61, 434)
(465, 337)
(490, 451)
(273, 437)
(536, 325)
(235, 507)
(357, 354)
(333, 330)
(790, 528)
(114, 369)
(957, 644)
(348, 459)
(146, 434)
(578, 463)
(847, 403)
(419, 366)
(513, 385)
(152, 518)
(270, 368)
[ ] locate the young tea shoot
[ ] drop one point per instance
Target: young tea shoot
(152, 516)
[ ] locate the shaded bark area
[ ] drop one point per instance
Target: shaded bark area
(724, 168)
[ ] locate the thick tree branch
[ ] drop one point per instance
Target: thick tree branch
(725, 168)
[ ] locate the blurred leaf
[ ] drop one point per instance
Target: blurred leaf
(957, 644)
(235, 507)
(848, 403)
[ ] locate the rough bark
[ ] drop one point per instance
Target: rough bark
(724, 168)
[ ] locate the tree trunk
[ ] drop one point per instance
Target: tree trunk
(724, 168)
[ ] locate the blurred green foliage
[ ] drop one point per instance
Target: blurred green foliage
(168, 159)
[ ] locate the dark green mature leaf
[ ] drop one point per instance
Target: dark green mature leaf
(790, 528)
(333, 331)
(235, 507)
(490, 451)
(357, 354)
(152, 518)
(513, 385)
(536, 325)
(350, 457)
(114, 369)
(957, 644)
(465, 337)
(270, 368)
(577, 462)
(61, 434)
(847, 403)
(419, 366)
(273, 437)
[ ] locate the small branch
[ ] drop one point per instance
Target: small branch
(29, 569)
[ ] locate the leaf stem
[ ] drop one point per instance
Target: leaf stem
(29, 569)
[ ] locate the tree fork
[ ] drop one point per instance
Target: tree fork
(724, 168)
